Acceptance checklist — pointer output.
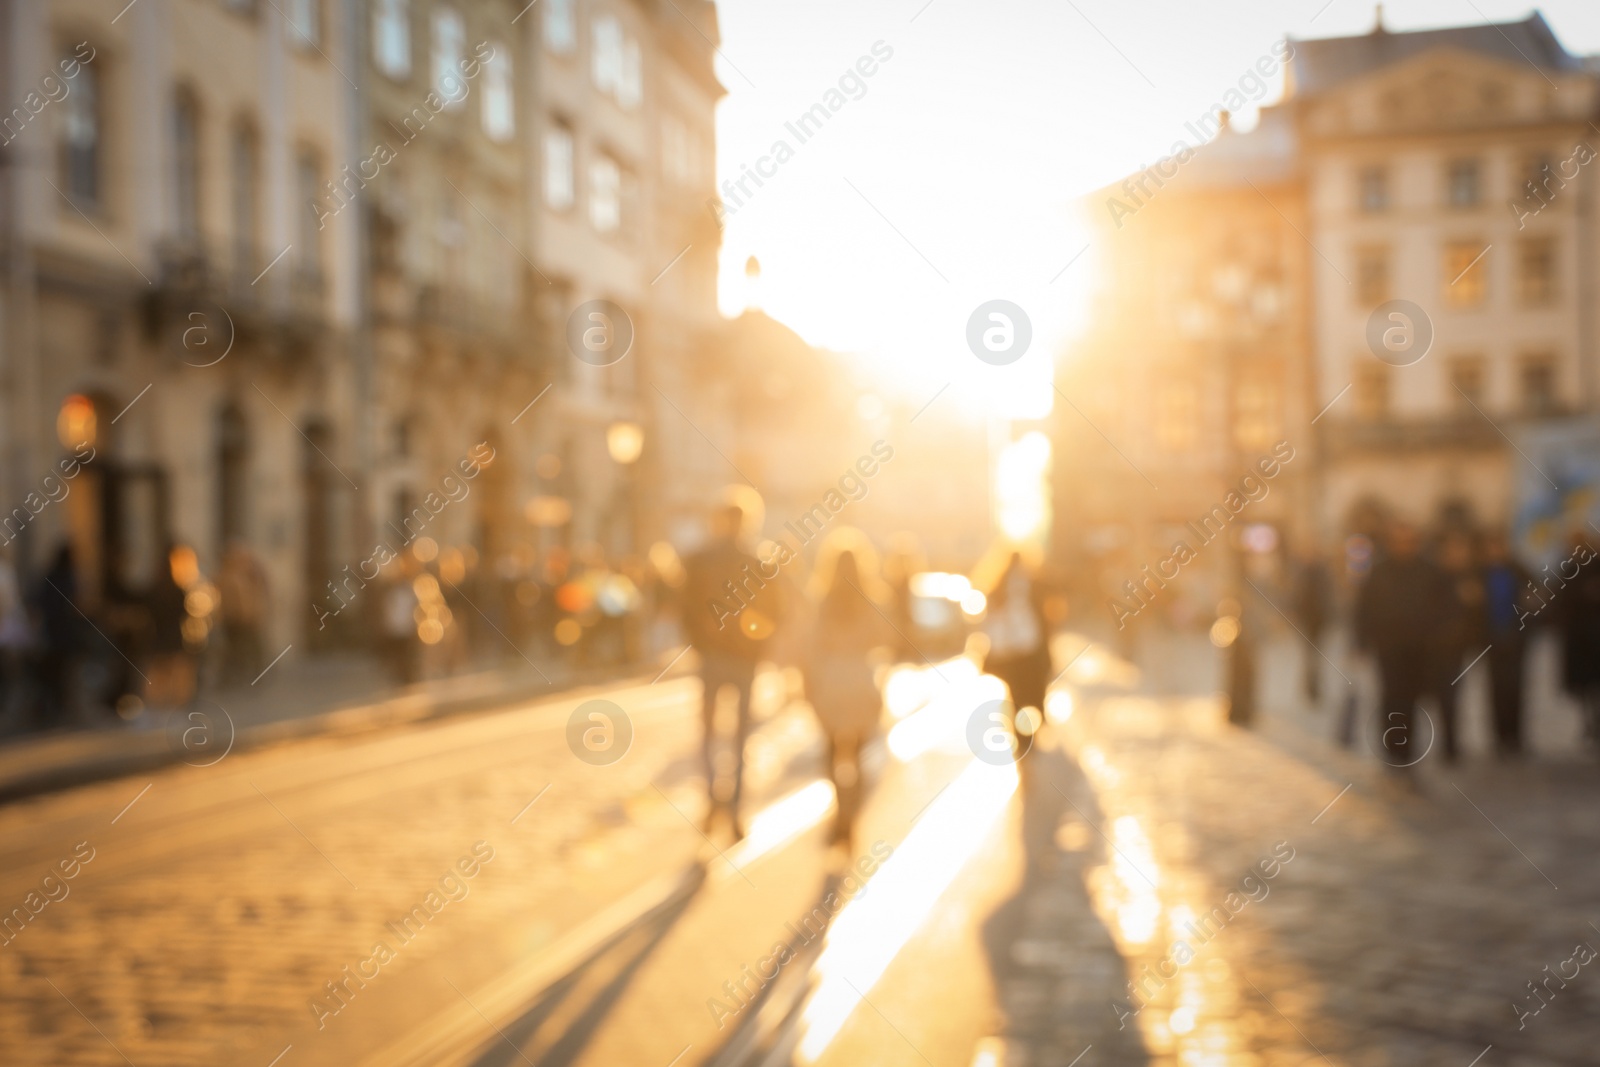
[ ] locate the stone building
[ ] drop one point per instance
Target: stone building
(288, 265)
(1443, 169)
(168, 301)
(1248, 291)
(1195, 370)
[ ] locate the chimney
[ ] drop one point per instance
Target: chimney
(1377, 22)
(1224, 122)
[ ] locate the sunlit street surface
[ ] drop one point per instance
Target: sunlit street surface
(761, 533)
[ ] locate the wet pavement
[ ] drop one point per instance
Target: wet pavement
(1154, 887)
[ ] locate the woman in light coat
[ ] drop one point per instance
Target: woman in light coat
(847, 633)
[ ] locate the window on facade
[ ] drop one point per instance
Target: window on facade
(617, 64)
(605, 60)
(391, 37)
(679, 157)
(499, 118)
(80, 139)
(1538, 176)
(1372, 275)
(1462, 184)
(1466, 274)
(558, 167)
(1177, 417)
(605, 194)
(1466, 381)
(1536, 272)
(304, 18)
(308, 191)
(1371, 390)
(1538, 374)
(560, 26)
(186, 164)
(243, 152)
(1373, 189)
(630, 82)
(449, 38)
(1256, 416)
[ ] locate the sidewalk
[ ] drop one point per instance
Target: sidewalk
(325, 695)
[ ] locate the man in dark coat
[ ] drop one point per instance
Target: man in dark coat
(1505, 611)
(1578, 614)
(732, 604)
(1461, 634)
(1403, 605)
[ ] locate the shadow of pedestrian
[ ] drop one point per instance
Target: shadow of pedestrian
(1055, 967)
(559, 1025)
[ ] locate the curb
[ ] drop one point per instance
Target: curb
(116, 753)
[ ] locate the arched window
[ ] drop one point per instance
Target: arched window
(80, 137)
(186, 163)
(233, 476)
(245, 154)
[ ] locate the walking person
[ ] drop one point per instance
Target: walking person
(61, 639)
(730, 613)
(243, 586)
(16, 639)
(1578, 615)
(847, 633)
(1313, 610)
(398, 604)
(1461, 632)
(1019, 642)
(1397, 620)
(172, 667)
(1505, 603)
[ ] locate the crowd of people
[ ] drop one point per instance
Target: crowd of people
(850, 619)
(1427, 614)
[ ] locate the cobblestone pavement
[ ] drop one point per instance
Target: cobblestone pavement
(209, 906)
(1395, 929)
(1154, 887)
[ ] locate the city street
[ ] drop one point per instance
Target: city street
(996, 919)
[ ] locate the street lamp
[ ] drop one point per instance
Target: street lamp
(624, 440)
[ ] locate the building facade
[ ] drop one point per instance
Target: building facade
(1392, 272)
(1444, 170)
(169, 307)
(285, 267)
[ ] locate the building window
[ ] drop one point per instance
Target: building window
(308, 234)
(449, 38)
(1372, 275)
(605, 194)
(630, 86)
(1256, 418)
(499, 118)
(1536, 272)
(244, 153)
(1538, 374)
(1466, 380)
(560, 26)
(1538, 176)
(186, 164)
(80, 138)
(1373, 190)
(1462, 184)
(304, 19)
(1372, 391)
(679, 158)
(391, 37)
(617, 63)
(1466, 280)
(1177, 417)
(558, 170)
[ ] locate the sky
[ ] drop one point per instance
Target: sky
(952, 174)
